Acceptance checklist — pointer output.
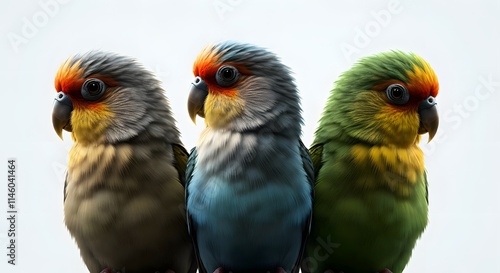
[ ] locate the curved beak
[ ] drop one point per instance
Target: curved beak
(61, 113)
(196, 99)
(429, 118)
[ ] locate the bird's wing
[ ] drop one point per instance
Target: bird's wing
(426, 187)
(316, 152)
(65, 186)
(191, 163)
(180, 161)
(309, 169)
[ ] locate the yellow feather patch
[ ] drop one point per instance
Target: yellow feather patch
(400, 127)
(88, 163)
(89, 124)
(220, 109)
(91, 170)
(389, 166)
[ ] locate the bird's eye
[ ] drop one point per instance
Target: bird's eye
(397, 93)
(93, 89)
(227, 75)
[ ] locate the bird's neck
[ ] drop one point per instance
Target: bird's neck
(396, 168)
(374, 165)
(108, 165)
(226, 151)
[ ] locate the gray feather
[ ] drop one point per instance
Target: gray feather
(139, 98)
(271, 97)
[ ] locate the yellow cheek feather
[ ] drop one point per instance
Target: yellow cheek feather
(400, 126)
(220, 109)
(396, 168)
(396, 162)
(89, 123)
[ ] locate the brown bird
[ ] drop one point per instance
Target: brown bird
(124, 189)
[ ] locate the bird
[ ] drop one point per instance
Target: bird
(371, 189)
(249, 186)
(124, 187)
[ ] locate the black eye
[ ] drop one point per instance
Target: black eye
(93, 89)
(397, 93)
(227, 75)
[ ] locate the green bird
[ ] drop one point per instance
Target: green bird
(371, 198)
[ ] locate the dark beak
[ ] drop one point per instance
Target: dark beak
(196, 99)
(61, 114)
(429, 118)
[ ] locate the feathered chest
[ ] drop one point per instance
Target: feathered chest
(116, 185)
(237, 173)
(94, 166)
(250, 156)
(365, 167)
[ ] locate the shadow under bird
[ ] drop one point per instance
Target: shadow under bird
(249, 178)
(371, 198)
(124, 189)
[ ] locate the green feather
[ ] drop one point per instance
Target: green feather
(366, 218)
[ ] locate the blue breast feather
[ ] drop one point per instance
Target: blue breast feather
(253, 219)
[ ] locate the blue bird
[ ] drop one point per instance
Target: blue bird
(249, 185)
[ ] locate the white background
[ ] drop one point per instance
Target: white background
(461, 40)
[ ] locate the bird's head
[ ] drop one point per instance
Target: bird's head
(387, 99)
(107, 98)
(243, 87)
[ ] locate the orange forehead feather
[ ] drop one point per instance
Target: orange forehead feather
(422, 77)
(206, 62)
(206, 65)
(69, 76)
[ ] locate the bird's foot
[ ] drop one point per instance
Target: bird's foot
(219, 270)
(383, 271)
(280, 270)
(107, 270)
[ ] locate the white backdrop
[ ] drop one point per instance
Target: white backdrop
(318, 40)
